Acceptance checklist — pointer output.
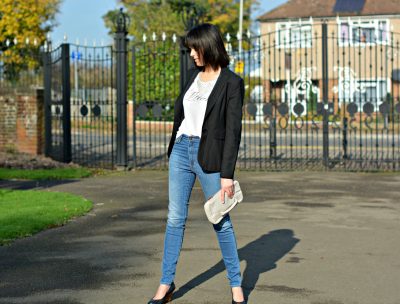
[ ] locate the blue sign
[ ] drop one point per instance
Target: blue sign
(76, 55)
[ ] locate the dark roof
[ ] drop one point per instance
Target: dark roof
(326, 8)
(346, 6)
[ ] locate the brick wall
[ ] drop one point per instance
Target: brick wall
(22, 123)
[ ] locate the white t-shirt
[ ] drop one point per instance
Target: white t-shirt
(194, 106)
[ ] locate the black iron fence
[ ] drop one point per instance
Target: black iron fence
(328, 97)
(318, 96)
(155, 67)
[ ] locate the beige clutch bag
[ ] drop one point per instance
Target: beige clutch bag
(216, 210)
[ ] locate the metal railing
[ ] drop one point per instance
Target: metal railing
(21, 67)
(316, 98)
(313, 101)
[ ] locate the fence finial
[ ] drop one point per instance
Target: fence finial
(122, 22)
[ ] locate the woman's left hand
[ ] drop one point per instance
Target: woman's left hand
(228, 187)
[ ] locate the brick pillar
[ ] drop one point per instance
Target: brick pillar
(22, 123)
(8, 116)
(30, 123)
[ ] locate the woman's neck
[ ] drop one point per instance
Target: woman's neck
(210, 70)
(209, 73)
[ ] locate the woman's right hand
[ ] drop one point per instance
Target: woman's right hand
(228, 187)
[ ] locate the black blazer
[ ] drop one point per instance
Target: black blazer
(222, 125)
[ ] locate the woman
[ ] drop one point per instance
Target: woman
(205, 142)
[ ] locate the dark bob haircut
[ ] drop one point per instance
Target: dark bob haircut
(206, 39)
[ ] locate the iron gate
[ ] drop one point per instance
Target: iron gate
(80, 105)
(328, 99)
(318, 96)
(57, 109)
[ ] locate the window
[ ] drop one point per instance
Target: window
(363, 32)
(366, 90)
(293, 35)
(373, 91)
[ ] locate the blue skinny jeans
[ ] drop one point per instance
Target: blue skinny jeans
(183, 169)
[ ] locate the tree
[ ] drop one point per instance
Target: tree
(23, 28)
(148, 16)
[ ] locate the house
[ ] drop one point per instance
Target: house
(362, 65)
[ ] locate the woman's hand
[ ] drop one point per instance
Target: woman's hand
(228, 187)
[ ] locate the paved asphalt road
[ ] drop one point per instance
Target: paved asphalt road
(303, 237)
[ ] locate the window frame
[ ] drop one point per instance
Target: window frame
(363, 23)
(303, 42)
(375, 83)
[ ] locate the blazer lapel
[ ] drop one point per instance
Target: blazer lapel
(215, 91)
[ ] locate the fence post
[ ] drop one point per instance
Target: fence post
(325, 78)
(184, 61)
(66, 100)
(47, 100)
(272, 138)
(121, 51)
(345, 126)
(134, 104)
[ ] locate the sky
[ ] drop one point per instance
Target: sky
(82, 20)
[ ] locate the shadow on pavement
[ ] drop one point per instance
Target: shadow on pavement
(33, 184)
(260, 255)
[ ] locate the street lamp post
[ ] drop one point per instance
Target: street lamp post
(240, 26)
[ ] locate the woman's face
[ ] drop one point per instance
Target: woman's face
(196, 57)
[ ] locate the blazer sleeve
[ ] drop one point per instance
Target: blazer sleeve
(233, 129)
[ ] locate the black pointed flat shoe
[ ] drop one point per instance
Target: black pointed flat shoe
(234, 302)
(167, 298)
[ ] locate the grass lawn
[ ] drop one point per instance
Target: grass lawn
(37, 174)
(25, 212)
